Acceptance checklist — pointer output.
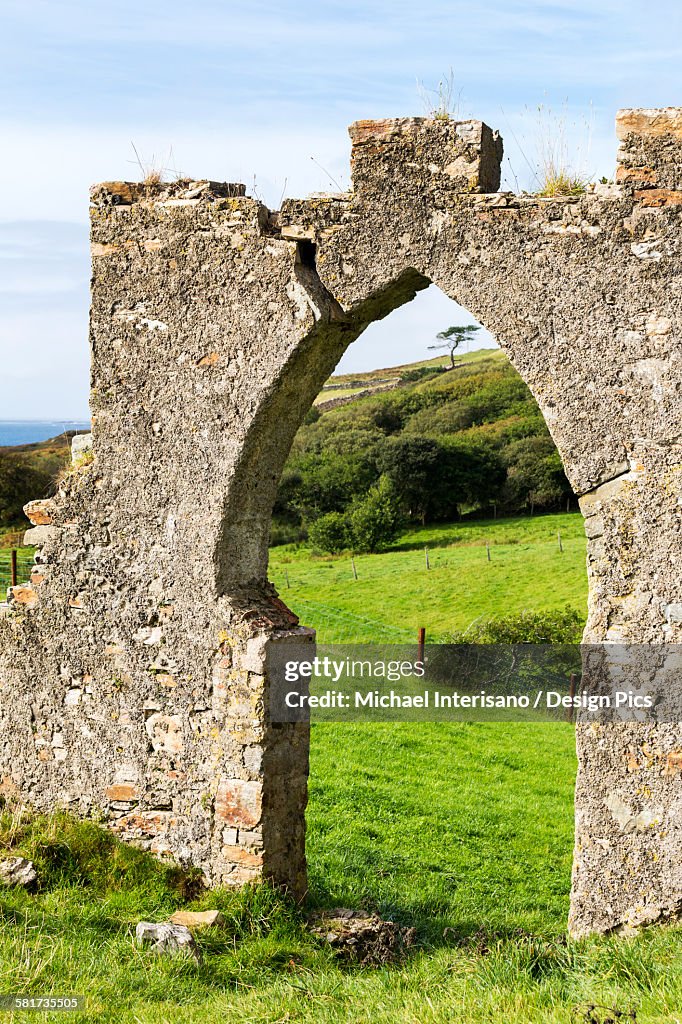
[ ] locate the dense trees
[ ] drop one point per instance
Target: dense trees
(441, 445)
(20, 482)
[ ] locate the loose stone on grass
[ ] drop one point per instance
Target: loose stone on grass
(18, 871)
(171, 939)
(194, 919)
(360, 937)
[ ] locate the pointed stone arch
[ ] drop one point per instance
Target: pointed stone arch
(134, 679)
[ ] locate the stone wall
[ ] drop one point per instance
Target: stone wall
(132, 669)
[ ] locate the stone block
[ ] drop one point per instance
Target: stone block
(80, 446)
(425, 156)
(239, 803)
(171, 939)
(253, 758)
(254, 656)
(17, 871)
(144, 824)
(243, 858)
(165, 732)
(197, 919)
(650, 153)
(123, 791)
(38, 536)
(658, 197)
(242, 874)
(40, 512)
(24, 595)
(656, 123)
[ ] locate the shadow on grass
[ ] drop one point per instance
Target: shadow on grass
(435, 923)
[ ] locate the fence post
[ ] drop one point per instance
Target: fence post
(13, 562)
(426, 556)
(355, 571)
(420, 643)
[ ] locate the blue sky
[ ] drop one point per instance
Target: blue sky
(251, 92)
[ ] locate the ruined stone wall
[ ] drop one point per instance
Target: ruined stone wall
(132, 680)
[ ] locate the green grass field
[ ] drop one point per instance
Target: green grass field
(462, 830)
(326, 396)
(395, 594)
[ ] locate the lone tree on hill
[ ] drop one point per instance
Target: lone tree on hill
(453, 337)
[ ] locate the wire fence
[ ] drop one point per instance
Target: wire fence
(24, 564)
(334, 626)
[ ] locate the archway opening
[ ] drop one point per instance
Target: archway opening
(447, 825)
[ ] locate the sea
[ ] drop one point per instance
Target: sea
(29, 431)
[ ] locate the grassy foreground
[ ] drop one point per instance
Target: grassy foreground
(463, 831)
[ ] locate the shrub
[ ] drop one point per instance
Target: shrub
(550, 627)
(375, 520)
(20, 482)
(312, 416)
(421, 373)
(284, 533)
(387, 417)
(535, 475)
(527, 649)
(411, 464)
(475, 472)
(330, 533)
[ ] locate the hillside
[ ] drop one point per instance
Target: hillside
(439, 444)
(349, 386)
(29, 471)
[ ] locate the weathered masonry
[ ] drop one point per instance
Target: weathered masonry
(132, 665)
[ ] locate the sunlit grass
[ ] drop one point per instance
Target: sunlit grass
(478, 570)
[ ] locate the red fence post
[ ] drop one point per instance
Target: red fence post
(420, 643)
